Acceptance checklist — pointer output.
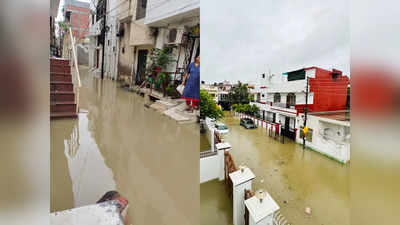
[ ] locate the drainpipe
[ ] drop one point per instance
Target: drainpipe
(104, 38)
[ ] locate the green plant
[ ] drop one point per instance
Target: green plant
(208, 107)
(248, 109)
(160, 59)
(239, 94)
(63, 25)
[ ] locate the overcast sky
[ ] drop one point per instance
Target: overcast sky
(242, 39)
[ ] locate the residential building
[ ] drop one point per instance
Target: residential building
(54, 47)
(96, 36)
(328, 133)
(76, 14)
(177, 24)
(136, 40)
(281, 99)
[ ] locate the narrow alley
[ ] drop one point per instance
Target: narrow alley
(118, 144)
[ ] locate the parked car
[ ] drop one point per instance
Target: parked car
(221, 128)
(247, 123)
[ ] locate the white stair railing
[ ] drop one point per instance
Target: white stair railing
(74, 60)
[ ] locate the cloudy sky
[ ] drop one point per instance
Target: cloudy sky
(242, 39)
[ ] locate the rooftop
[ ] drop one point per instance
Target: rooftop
(343, 115)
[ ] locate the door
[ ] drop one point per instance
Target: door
(97, 58)
(287, 121)
(141, 66)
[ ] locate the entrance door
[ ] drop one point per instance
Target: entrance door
(97, 58)
(287, 121)
(141, 66)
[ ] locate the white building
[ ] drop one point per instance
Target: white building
(95, 48)
(277, 97)
(328, 133)
(178, 24)
(111, 41)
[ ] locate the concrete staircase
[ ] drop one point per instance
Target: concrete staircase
(62, 96)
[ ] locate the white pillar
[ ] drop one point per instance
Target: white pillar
(241, 181)
(261, 213)
(212, 139)
(222, 148)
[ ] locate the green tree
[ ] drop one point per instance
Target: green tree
(248, 109)
(239, 94)
(208, 107)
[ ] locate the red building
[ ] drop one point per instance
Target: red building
(77, 14)
(329, 89)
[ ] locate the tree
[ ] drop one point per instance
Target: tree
(239, 94)
(208, 107)
(248, 109)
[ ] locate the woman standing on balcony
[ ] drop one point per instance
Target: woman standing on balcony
(191, 81)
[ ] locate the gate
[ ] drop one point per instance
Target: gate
(247, 194)
(230, 167)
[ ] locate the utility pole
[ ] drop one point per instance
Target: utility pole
(305, 116)
(104, 36)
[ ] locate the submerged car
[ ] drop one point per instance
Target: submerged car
(247, 123)
(221, 128)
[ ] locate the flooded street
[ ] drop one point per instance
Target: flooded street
(118, 144)
(295, 178)
(216, 207)
(204, 143)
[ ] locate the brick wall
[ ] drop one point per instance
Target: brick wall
(79, 20)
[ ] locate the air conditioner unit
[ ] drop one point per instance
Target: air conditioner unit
(174, 36)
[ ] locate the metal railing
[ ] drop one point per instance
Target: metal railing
(279, 219)
(208, 153)
(283, 105)
(74, 60)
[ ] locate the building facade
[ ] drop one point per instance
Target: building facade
(177, 25)
(111, 42)
(281, 99)
(76, 14)
(136, 40)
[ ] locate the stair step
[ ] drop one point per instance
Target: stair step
(61, 115)
(60, 69)
(54, 77)
(61, 86)
(62, 96)
(62, 103)
(63, 107)
(58, 61)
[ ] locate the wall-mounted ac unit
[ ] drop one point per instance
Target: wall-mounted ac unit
(174, 36)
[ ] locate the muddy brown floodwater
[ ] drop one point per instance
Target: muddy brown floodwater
(294, 177)
(118, 144)
(204, 143)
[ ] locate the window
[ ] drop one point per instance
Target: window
(290, 100)
(68, 16)
(141, 9)
(277, 98)
(270, 117)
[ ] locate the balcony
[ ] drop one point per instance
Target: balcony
(164, 12)
(283, 107)
(95, 29)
